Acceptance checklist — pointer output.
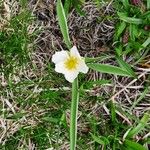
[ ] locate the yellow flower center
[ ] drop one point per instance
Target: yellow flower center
(71, 63)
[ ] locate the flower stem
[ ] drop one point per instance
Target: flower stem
(74, 112)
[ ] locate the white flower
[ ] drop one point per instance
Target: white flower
(69, 63)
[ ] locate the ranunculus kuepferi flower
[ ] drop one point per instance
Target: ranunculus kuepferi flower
(69, 63)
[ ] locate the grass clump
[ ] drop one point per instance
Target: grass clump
(15, 39)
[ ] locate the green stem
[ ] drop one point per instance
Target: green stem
(74, 112)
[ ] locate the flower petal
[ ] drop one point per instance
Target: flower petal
(74, 52)
(70, 76)
(59, 56)
(60, 68)
(83, 67)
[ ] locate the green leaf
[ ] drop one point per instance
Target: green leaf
(133, 20)
(77, 6)
(67, 6)
(125, 3)
(141, 97)
(133, 145)
(113, 112)
(101, 140)
(108, 69)
(51, 119)
(145, 44)
(119, 50)
(121, 28)
(63, 23)
(89, 84)
(148, 4)
(99, 59)
(133, 30)
(140, 126)
(125, 66)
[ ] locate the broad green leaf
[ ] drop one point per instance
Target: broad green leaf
(108, 69)
(133, 145)
(140, 126)
(121, 28)
(63, 23)
(101, 140)
(125, 66)
(133, 20)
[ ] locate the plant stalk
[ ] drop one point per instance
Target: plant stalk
(74, 112)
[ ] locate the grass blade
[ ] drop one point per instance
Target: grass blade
(77, 6)
(123, 17)
(108, 69)
(63, 23)
(140, 126)
(101, 140)
(148, 4)
(67, 6)
(133, 145)
(140, 98)
(121, 28)
(125, 67)
(145, 44)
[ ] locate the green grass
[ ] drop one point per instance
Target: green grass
(35, 101)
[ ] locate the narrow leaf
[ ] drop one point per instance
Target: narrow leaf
(63, 23)
(121, 28)
(145, 44)
(140, 126)
(108, 69)
(77, 6)
(67, 6)
(133, 30)
(125, 3)
(133, 20)
(148, 4)
(133, 145)
(142, 96)
(101, 140)
(125, 66)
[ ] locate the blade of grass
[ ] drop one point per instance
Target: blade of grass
(140, 126)
(133, 20)
(63, 23)
(145, 44)
(101, 140)
(67, 6)
(121, 28)
(140, 98)
(125, 66)
(133, 145)
(148, 4)
(77, 6)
